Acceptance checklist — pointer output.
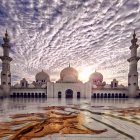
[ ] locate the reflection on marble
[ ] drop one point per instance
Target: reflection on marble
(55, 120)
(84, 119)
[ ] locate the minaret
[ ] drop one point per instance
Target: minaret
(133, 74)
(6, 74)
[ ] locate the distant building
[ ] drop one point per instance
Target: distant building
(68, 86)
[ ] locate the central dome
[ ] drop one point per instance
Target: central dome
(69, 74)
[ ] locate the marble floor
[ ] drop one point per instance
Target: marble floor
(103, 119)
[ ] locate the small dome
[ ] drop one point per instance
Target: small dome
(96, 76)
(44, 86)
(17, 85)
(69, 74)
(121, 86)
(42, 76)
(94, 86)
(107, 86)
(31, 86)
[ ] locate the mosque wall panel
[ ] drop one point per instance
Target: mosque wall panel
(63, 87)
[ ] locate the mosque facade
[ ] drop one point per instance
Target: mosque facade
(68, 85)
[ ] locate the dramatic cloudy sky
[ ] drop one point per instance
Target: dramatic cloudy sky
(90, 34)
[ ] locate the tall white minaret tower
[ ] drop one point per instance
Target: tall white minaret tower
(133, 74)
(5, 73)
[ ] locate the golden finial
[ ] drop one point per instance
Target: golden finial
(6, 34)
(134, 40)
(134, 35)
(6, 38)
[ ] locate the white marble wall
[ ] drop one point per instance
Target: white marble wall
(50, 89)
(88, 89)
(111, 91)
(29, 90)
(75, 87)
(85, 90)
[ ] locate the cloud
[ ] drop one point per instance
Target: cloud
(49, 34)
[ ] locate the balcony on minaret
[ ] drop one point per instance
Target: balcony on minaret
(6, 58)
(6, 48)
(133, 59)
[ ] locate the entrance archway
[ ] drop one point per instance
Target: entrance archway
(36, 96)
(14, 94)
(21, 95)
(105, 95)
(17, 95)
(43, 95)
(108, 95)
(32, 95)
(59, 94)
(120, 95)
(116, 95)
(123, 95)
(25, 95)
(39, 95)
(102, 95)
(69, 93)
(78, 94)
(28, 95)
(94, 95)
(112, 95)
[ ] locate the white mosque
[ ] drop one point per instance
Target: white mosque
(68, 86)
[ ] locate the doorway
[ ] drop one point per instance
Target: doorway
(69, 93)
